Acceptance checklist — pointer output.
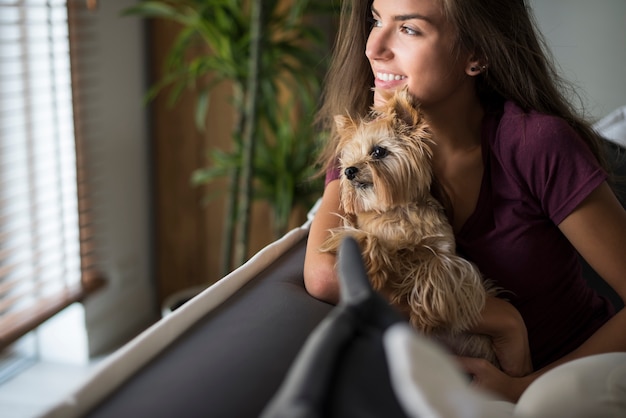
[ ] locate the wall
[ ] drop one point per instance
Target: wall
(587, 38)
(118, 155)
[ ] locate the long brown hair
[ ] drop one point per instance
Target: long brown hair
(347, 88)
(503, 34)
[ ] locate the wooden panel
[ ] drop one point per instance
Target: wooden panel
(188, 231)
(177, 149)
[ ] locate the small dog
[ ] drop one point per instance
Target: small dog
(407, 242)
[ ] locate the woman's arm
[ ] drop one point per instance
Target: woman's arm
(320, 278)
(597, 228)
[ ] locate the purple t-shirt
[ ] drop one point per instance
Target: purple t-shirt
(537, 170)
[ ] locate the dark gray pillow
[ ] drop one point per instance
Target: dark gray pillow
(341, 371)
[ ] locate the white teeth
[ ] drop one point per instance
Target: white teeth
(390, 77)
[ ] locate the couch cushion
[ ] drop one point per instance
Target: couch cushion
(231, 361)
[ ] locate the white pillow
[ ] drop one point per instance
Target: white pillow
(428, 384)
(613, 126)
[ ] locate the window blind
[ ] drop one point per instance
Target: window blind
(46, 258)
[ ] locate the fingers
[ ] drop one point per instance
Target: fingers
(487, 377)
(475, 367)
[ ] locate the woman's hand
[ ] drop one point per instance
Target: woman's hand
(487, 377)
(504, 324)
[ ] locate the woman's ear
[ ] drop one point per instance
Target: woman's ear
(475, 66)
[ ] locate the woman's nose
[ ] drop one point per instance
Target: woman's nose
(377, 47)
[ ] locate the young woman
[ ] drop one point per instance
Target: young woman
(520, 173)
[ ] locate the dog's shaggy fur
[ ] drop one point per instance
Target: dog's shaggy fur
(407, 242)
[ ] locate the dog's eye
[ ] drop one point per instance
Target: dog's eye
(378, 152)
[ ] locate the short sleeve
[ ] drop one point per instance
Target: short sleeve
(554, 163)
(332, 173)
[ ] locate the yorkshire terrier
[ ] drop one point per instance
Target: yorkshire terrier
(407, 242)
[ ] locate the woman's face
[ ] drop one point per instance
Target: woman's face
(412, 44)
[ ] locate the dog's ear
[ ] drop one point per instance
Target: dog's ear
(405, 107)
(345, 125)
(400, 105)
(386, 108)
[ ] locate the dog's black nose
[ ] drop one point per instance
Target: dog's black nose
(350, 172)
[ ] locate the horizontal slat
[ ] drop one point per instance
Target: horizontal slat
(28, 231)
(49, 189)
(20, 266)
(37, 240)
(16, 63)
(18, 130)
(26, 275)
(11, 53)
(28, 70)
(36, 209)
(26, 280)
(36, 284)
(16, 325)
(24, 21)
(35, 90)
(42, 252)
(53, 272)
(31, 3)
(19, 33)
(36, 172)
(27, 13)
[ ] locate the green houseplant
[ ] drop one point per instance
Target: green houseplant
(272, 54)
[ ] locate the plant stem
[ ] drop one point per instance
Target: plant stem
(229, 223)
(230, 211)
(247, 166)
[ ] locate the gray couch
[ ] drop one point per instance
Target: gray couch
(232, 361)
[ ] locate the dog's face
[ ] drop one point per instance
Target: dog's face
(384, 159)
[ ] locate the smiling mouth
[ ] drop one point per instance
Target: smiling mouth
(389, 77)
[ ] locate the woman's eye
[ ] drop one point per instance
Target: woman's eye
(409, 31)
(378, 152)
(374, 23)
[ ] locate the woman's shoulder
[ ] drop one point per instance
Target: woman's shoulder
(524, 139)
(531, 130)
(527, 142)
(542, 153)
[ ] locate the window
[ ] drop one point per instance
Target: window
(45, 262)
